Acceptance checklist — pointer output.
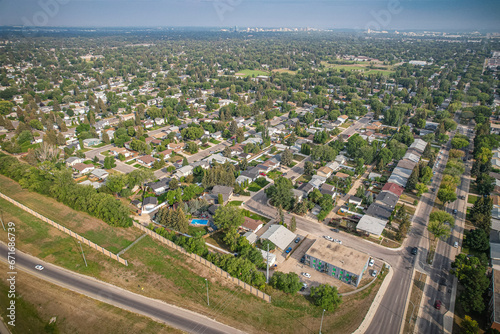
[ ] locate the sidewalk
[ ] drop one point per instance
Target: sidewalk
(374, 306)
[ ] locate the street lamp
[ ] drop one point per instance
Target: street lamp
(321, 326)
(83, 254)
(208, 300)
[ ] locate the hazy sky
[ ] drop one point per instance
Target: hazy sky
(361, 14)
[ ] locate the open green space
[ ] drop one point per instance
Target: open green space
(251, 73)
(112, 238)
(213, 141)
(235, 203)
(471, 198)
(364, 67)
(254, 187)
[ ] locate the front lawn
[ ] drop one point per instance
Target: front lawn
(298, 157)
(254, 187)
(471, 199)
(213, 141)
(235, 203)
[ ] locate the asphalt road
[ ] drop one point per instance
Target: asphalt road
(442, 283)
(174, 316)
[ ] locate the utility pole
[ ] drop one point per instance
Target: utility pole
(83, 254)
(208, 299)
(321, 326)
(267, 265)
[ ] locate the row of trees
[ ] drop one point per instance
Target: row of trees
(57, 182)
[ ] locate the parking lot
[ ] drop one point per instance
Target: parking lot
(292, 264)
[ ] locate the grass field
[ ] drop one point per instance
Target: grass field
(235, 203)
(254, 187)
(360, 67)
(74, 313)
(251, 73)
(112, 238)
(284, 70)
(471, 199)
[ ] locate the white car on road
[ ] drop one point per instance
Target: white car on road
(306, 275)
(39, 267)
(337, 241)
(329, 238)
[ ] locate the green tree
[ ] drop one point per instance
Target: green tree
(220, 199)
(281, 193)
(413, 179)
(293, 224)
(326, 297)
(469, 326)
(308, 168)
(286, 157)
(109, 162)
(471, 273)
(446, 195)
(115, 183)
(288, 283)
(185, 162)
(421, 188)
(173, 184)
(438, 229)
(477, 239)
(228, 216)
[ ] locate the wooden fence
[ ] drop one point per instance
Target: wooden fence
(67, 231)
(205, 262)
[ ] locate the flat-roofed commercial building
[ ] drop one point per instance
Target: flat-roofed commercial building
(341, 262)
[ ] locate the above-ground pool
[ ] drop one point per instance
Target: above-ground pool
(203, 222)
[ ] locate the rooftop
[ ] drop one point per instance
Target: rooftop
(279, 235)
(371, 225)
(338, 255)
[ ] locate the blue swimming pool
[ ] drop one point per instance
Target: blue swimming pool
(203, 222)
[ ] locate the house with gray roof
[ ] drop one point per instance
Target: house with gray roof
(279, 235)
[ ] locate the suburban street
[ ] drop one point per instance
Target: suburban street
(441, 285)
(160, 311)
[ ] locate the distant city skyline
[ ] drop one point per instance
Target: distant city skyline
(440, 15)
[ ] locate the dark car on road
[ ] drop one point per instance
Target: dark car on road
(414, 250)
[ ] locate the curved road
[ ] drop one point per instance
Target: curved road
(174, 316)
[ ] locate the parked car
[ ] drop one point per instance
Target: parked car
(455, 211)
(437, 304)
(329, 238)
(263, 174)
(335, 230)
(414, 250)
(302, 259)
(288, 250)
(39, 267)
(297, 240)
(337, 241)
(374, 273)
(371, 262)
(455, 244)
(306, 275)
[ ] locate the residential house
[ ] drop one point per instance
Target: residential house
(317, 181)
(71, 161)
(146, 160)
(120, 150)
(91, 142)
(160, 186)
(99, 173)
(159, 121)
(184, 171)
(327, 189)
(225, 191)
(371, 226)
(279, 235)
(176, 147)
(251, 225)
(83, 168)
(324, 171)
(394, 188)
(355, 200)
(342, 118)
(341, 159)
(149, 203)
